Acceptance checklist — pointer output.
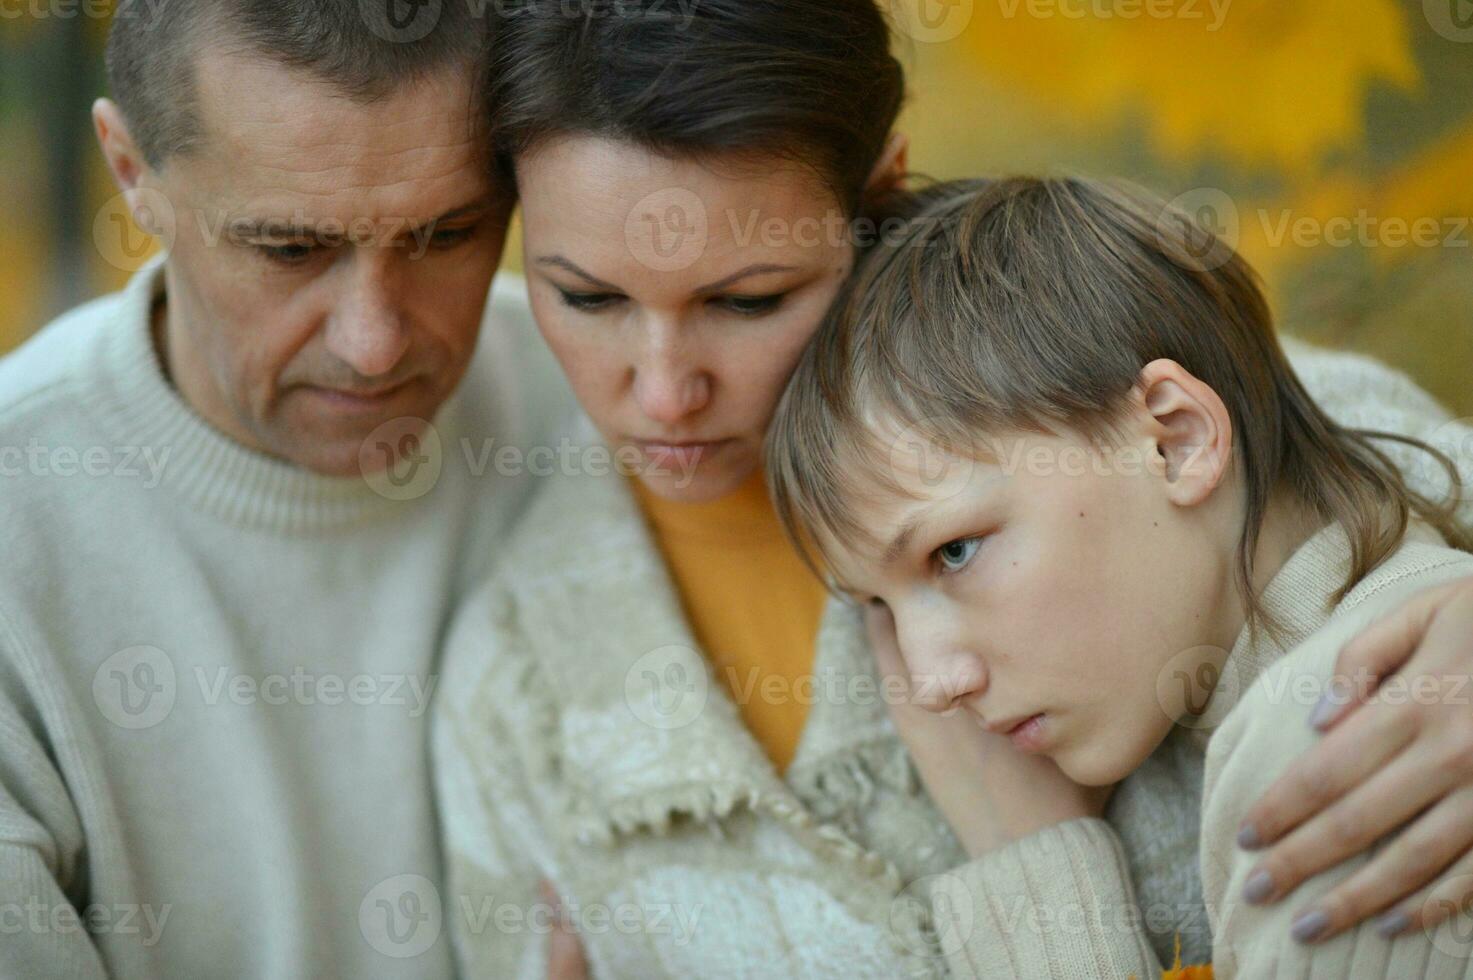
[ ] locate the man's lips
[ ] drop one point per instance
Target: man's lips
(349, 398)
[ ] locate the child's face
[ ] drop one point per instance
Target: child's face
(1052, 590)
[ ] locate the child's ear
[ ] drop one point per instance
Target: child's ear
(1191, 429)
(889, 171)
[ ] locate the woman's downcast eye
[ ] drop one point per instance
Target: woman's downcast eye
(751, 305)
(954, 555)
(587, 301)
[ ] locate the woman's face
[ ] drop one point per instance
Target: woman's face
(677, 296)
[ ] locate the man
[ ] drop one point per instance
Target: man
(242, 497)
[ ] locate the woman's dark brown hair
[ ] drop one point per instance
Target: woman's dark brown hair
(1030, 304)
(812, 81)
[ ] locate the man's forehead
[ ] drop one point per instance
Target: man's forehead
(274, 132)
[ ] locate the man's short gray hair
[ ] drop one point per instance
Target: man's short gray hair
(366, 49)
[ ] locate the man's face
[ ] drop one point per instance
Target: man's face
(331, 259)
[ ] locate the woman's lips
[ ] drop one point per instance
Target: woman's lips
(682, 455)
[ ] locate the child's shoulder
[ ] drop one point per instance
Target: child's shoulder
(1281, 698)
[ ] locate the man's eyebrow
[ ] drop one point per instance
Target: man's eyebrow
(284, 228)
(477, 207)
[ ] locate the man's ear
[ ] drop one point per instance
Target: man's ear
(130, 169)
(889, 171)
(1191, 430)
(122, 154)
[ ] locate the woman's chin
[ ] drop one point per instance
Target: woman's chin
(703, 484)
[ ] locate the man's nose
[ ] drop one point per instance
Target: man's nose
(366, 329)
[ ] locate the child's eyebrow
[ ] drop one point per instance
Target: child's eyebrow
(902, 539)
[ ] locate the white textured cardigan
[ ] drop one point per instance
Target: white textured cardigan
(579, 736)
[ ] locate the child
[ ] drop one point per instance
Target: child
(1052, 431)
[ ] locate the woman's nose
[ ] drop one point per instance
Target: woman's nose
(670, 384)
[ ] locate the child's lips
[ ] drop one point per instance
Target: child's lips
(1027, 734)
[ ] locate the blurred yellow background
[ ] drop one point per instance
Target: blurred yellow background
(1332, 140)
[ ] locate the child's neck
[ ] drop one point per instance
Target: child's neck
(1287, 524)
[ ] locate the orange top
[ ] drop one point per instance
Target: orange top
(752, 604)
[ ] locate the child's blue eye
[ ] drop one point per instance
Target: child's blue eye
(954, 555)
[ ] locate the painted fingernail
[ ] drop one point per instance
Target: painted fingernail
(1259, 886)
(1248, 837)
(1324, 709)
(1392, 923)
(1310, 926)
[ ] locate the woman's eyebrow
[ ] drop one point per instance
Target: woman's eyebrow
(760, 268)
(560, 262)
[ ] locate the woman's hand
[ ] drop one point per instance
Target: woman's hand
(1399, 748)
(564, 953)
(988, 791)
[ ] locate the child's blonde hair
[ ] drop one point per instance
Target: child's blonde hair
(1027, 304)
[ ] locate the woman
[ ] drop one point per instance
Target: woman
(652, 704)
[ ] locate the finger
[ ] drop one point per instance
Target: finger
(1411, 861)
(1346, 828)
(565, 959)
(1451, 895)
(1342, 760)
(1379, 650)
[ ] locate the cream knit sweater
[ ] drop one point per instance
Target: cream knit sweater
(1061, 903)
(215, 667)
(580, 737)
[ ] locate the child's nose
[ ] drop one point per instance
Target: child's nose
(942, 673)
